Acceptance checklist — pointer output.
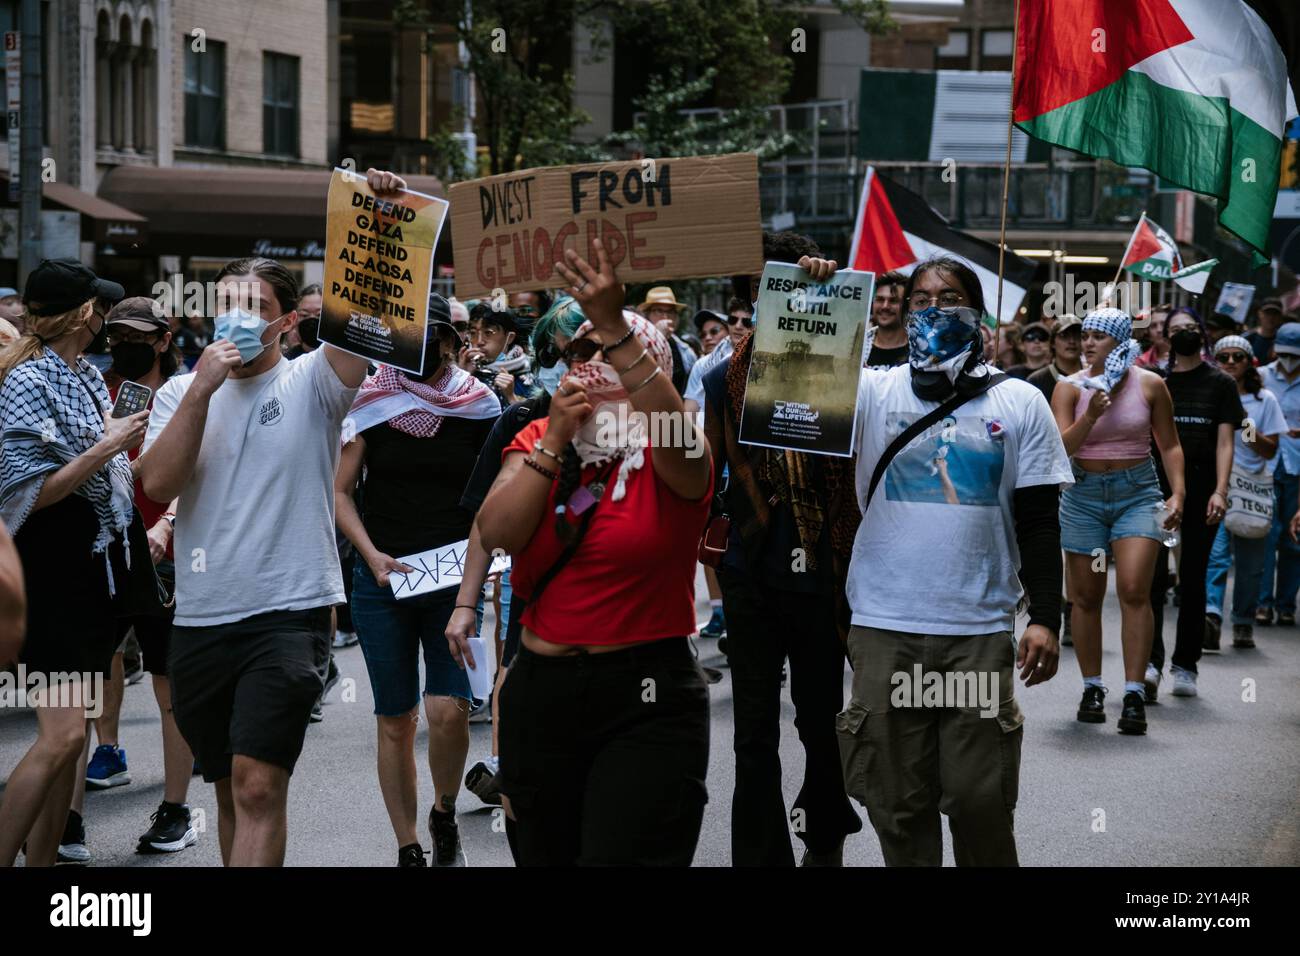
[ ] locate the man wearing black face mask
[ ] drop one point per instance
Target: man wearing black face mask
(308, 329)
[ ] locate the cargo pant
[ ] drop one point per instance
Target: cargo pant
(911, 751)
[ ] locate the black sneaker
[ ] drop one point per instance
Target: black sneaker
(1286, 619)
(72, 848)
(411, 855)
(447, 850)
(331, 678)
(1243, 635)
(1133, 720)
(171, 831)
(1092, 709)
(1213, 628)
(482, 782)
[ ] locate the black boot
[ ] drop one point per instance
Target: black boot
(1133, 720)
(1092, 709)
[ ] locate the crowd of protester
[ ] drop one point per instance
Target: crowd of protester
(1117, 440)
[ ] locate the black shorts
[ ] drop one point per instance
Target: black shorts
(249, 687)
(152, 632)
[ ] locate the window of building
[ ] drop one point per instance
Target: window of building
(205, 94)
(955, 54)
(280, 104)
(996, 51)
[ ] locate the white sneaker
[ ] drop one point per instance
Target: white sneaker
(1184, 682)
(345, 639)
(1151, 680)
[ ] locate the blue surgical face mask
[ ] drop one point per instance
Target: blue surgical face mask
(549, 378)
(936, 336)
(244, 330)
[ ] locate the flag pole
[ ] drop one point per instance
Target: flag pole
(1114, 283)
(1006, 177)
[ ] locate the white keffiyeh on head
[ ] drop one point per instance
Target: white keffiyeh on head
(50, 414)
(1117, 324)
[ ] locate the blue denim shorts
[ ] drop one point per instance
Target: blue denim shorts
(1100, 508)
(392, 632)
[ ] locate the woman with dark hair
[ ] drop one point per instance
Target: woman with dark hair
(417, 440)
(1108, 414)
(65, 494)
(604, 715)
(1207, 410)
(1255, 447)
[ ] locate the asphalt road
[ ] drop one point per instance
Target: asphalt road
(1214, 782)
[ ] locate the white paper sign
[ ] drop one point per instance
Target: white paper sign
(437, 569)
(480, 676)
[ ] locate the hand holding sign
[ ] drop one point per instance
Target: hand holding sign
(381, 564)
(819, 269)
(382, 182)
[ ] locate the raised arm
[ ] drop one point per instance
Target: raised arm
(167, 464)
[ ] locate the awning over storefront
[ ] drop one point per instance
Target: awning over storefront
(232, 211)
(107, 222)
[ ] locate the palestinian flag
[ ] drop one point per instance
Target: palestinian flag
(1152, 254)
(1193, 90)
(896, 229)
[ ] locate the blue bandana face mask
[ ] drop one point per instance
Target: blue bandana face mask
(936, 336)
(244, 330)
(549, 378)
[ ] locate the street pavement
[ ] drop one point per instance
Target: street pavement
(1213, 783)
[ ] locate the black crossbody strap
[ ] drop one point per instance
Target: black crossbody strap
(571, 548)
(918, 427)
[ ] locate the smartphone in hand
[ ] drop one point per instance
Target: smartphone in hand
(131, 398)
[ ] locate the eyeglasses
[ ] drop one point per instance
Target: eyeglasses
(580, 350)
(747, 319)
(946, 300)
(133, 336)
(1233, 357)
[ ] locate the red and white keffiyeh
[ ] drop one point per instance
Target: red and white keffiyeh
(612, 431)
(418, 408)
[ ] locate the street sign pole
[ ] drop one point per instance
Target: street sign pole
(29, 210)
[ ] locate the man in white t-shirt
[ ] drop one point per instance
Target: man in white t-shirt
(964, 514)
(249, 443)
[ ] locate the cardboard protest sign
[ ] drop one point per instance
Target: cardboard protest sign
(809, 346)
(436, 569)
(378, 266)
(1235, 301)
(658, 219)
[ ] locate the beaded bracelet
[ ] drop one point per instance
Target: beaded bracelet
(609, 348)
(649, 378)
(541, 469)
(635, 362)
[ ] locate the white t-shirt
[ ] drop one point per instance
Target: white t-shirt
(936, 552)
(695, 381)
(255, 522)
(1265, 413)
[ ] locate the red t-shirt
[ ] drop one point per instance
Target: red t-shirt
(150, 510)
(632, 577)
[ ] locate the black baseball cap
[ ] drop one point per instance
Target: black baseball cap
(1221, 320)
(1272, 302)
(60, 285)
(704, 315)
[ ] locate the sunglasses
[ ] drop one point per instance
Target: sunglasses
(1034, 337)
(580, 350)
(1233, 357)
(748, 320)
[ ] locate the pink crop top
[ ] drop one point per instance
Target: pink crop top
(1124, 431)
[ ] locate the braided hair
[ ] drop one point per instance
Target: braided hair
(570, 478)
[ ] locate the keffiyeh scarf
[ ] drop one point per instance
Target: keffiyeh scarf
(1117, 324)
(611, 407)
(50, 415)
(416, 408)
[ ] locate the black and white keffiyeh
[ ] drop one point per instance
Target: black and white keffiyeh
(50, 414)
